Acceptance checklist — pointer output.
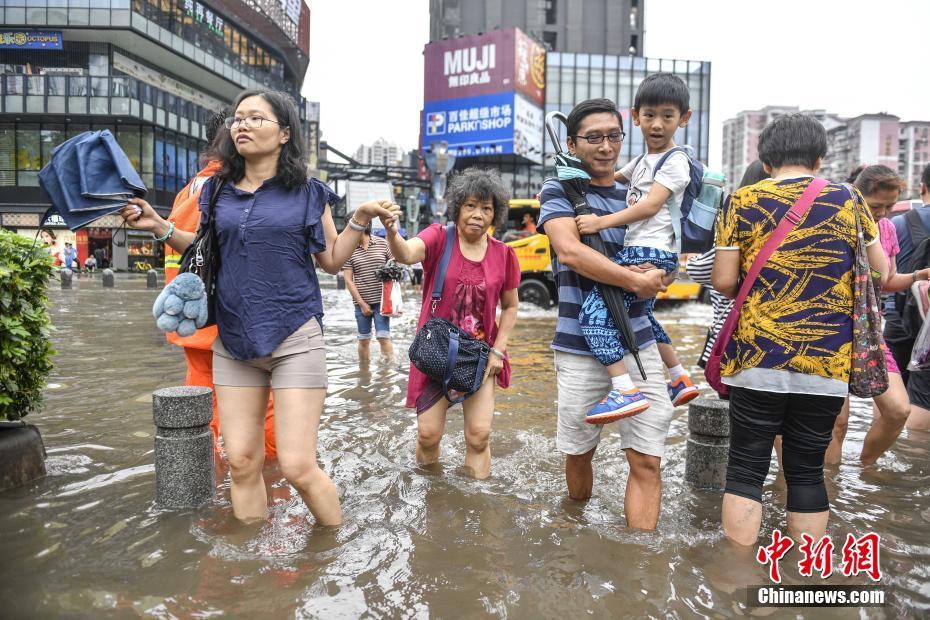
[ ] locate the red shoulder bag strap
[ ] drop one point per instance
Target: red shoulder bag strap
(785, 226)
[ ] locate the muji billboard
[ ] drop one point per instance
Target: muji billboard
(484, 93)
(500, 61)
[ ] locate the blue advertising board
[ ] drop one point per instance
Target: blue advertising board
(493, 124)
(30, 39)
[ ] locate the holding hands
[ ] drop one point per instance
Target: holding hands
(392, 218)
(373, 208)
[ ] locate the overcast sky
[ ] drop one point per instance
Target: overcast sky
(846, 56)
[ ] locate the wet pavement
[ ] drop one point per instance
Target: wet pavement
(87, 541)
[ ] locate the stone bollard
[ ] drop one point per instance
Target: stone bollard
(184, 464)
(66, 277)
(708, 443)
(340, 282)
(108, 278)
(151, 278)
(22, 454)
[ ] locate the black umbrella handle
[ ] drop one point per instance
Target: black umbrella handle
(551, 117)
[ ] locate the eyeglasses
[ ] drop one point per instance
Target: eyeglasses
(615, 137)
(252, 122)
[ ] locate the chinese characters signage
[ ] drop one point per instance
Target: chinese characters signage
(205, 16)
(858, 556)
(30, 40)
(484, 94)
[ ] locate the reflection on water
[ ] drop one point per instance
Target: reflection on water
(87, 540)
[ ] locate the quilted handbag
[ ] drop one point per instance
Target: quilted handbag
(445, 353)
(202, 256)
(868, 374)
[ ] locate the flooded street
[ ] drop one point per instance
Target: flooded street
(87, 541)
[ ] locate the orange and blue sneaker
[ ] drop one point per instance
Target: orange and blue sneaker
(682, 390)
(616, 405)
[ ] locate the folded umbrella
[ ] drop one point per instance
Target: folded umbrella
(89, 176)
(575, 182)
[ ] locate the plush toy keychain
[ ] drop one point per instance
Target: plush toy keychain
(182, 306)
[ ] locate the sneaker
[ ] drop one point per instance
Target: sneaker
(616, 405)
(682, 390)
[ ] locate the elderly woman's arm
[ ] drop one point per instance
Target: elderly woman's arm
(877, 260)
(725, 274)
(509, 302)
(339, 246)
(405, 251)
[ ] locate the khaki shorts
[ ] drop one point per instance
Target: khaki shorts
(298, 362)
(583, 382)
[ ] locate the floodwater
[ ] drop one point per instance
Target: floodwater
(87, 540)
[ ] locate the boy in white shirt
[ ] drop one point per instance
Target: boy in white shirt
(660, 107)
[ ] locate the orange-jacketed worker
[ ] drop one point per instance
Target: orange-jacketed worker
(185, 214)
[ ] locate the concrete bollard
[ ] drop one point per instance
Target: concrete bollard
(22, 454)
(184, 466)
(340, 282)
(708, 443)
(108, 278)
(151, 278)
(66, 276)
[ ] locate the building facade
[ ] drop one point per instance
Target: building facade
(150, 71)
(379, 153)
(913, 154)
(571, 78)
(609, 27)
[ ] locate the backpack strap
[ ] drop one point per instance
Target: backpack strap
(669, 153)
(443, 265)
(915, 227)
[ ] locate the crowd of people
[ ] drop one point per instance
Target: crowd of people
(787, 365)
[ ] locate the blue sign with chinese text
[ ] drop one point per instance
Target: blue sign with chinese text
(30, 40)
(481, 125)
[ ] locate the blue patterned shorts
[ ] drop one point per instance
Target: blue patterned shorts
(603, 337)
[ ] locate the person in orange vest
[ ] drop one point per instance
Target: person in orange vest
(185, 214)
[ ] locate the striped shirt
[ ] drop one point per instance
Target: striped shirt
(364, 263)
(699, 268)
(573, 288)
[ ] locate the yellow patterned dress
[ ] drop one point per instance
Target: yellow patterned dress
(798, 315)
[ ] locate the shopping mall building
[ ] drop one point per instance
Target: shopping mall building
(150, 71)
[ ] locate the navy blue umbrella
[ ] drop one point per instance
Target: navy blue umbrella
(89, 176)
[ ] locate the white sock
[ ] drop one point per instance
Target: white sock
(623, 383)
(675, 372)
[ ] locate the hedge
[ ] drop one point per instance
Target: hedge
(25, 348)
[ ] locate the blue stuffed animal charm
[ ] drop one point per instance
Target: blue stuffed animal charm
(182, 306)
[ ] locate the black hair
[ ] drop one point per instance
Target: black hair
(754, 173)
(213, 129)
(587, 108)
(663, 88)
(793, 140)
(877, 177)
(854, 173)
(925, 177)
(292, 166)
(479, 184)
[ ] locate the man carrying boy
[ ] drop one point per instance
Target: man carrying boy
(657, 181)
(595, 133)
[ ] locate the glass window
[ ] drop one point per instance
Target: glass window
(148, 156)
(130, 141)
(52, 136)
(159, 159)
(28, 154)
(7, 155)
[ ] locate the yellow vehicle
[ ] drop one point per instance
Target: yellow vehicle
(537, 283)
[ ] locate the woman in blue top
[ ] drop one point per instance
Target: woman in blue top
(269, 219)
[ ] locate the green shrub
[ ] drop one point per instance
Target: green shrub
(25, 348)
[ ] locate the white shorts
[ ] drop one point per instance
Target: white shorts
(583, 382)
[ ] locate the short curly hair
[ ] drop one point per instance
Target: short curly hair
(477, 184)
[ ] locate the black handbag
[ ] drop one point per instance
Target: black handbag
(445, 353)
(202, 256)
